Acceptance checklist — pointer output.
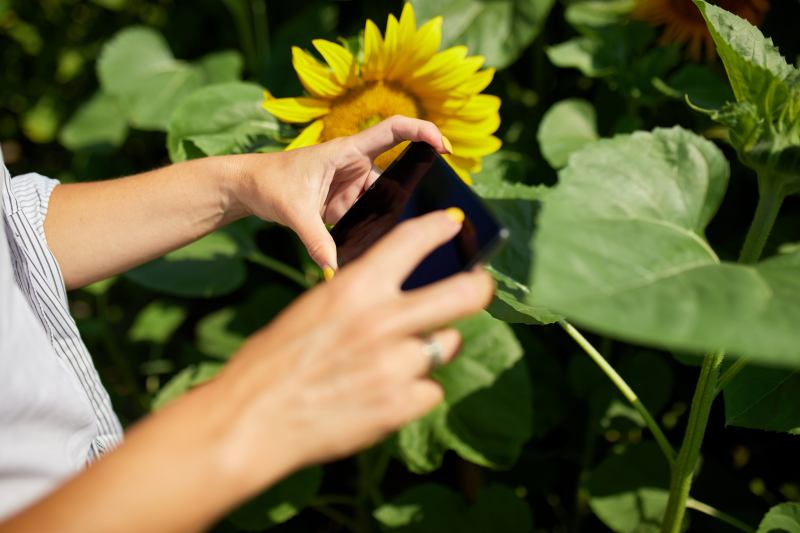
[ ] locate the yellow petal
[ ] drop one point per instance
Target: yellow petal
(341, 61)
(450, 77)
(316, 79)
(443, 60)
(486, 125)
(373, 52)
(295, 110)
(474, 108)
(308, 136)
(477, 82)
(468, 146)
(390, 40)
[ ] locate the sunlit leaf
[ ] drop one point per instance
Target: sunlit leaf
(783, 518)
(477, 24)
(621, 249)
(566, 127)
(99, 124)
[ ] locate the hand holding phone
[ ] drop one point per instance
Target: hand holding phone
(417, 182)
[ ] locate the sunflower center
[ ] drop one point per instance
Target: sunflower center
(366, 105)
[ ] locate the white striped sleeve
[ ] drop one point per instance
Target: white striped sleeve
(32, 191)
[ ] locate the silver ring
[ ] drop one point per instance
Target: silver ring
(434, 353)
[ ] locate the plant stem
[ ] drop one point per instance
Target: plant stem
(684, 467)
(769, 203)
(730, 373)
(280, 267)
(706, 509)
(623, 387)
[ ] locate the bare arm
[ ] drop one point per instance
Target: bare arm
(311, 387)
(100, 229)
(103, 228)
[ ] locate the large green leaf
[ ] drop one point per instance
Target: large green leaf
(219, 119)
(184, 380)
(628, 491)
(621, 249)
(137, 67)
(486, 414)
(280, 502)
(477, 24)
(765, 122)
(764, 398)
(516, 205)
(98, 124)
(566, 127)
(783, 518)
(210, 266)
(430, 508)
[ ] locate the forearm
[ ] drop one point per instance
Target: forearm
(178, 471)
(103, 228)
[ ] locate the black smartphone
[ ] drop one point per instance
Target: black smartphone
(417, 182)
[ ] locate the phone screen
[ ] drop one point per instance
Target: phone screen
(418, 182)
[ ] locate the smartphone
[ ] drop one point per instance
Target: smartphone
(417, 182)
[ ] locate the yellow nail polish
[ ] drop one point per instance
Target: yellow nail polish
(447, 144)
(328, 273)
(455, 214)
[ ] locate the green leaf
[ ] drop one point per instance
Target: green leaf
(156, 322)
(221, 67)
(431, 508)
(783, 518)
(210, 266)
(502, 167)
(516, 205)
(628, 491)
(219, 119)
(222, 332)
(486, 413)
(280, 502)
(566, 127)
(592, 13)
(620, 249)
(137, 67)
(477, 24)
(764, 398)
(622, 54)
(99, 124)
(765, 125)
(184, 380)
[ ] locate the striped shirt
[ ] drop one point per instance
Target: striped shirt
(55, 415)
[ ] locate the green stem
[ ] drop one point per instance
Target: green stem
(769, 203)
(684, 467)
(281, 268)
(730, 373)
(706, 509)
(623, 387)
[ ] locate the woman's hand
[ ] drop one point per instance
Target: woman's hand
(346, 364)
(309, 187)
(340, 368)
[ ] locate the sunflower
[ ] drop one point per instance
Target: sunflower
(402, 73)
(683, 22)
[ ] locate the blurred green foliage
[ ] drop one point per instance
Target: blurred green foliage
(532, 437)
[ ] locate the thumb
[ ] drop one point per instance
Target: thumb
(318, 241)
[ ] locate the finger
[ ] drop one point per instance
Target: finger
(373, 175)
(344, 194)
(442, 302)
(409, 358)
(317, 240)
(422, 396)
(377, 139)
(397, 254)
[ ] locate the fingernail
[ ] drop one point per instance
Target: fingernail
(447, 144)
(455, 214)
